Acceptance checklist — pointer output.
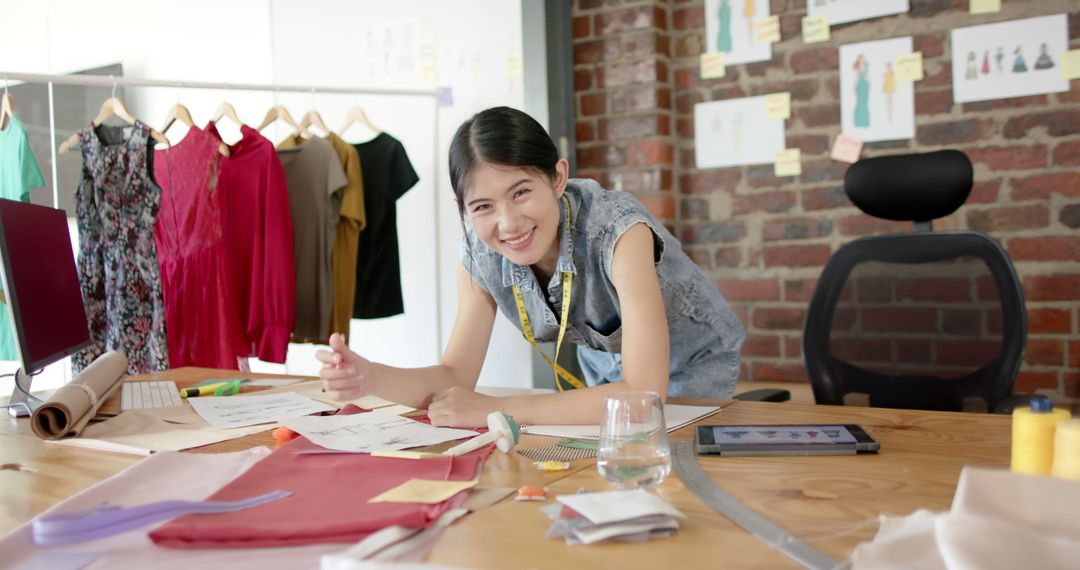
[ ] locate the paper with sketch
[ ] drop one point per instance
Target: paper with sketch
(149, 430)
(364, 433)
(675, 416)
(243, 411)
(313, 390)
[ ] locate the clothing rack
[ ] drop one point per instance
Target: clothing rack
(113, 81)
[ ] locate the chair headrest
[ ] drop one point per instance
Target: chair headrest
(910, 187)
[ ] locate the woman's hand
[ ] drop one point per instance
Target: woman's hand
(345, 374)
(461, 407)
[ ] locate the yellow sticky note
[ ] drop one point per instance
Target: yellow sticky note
(984, 6)
(778, 105)
(429, 70)
(403, 454)
(1070, 64)
(712, 65)
(815, 29)
(397, 409)
(909, 67)
(767, 30)
(846, 148)
(423, 491)
(514, 65)
(788, 162)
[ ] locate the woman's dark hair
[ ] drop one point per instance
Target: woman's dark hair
(502, 136)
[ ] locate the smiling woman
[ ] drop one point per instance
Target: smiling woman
(562, 259)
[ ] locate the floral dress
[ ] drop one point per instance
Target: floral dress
(116, 206)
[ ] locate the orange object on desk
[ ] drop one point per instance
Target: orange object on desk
(284, 434)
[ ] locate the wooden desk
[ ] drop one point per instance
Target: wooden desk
(813, 497)
(919, 465)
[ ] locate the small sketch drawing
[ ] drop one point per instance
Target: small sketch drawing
(889, 87)
(999, 57)
(748, 13)
(986, 63)
(862, 92)
(1044, 61)
(971, 72)
(1019, 66)
(723, 37)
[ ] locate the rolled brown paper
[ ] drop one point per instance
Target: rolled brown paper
(73, 405)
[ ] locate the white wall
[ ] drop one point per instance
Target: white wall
(371, 43)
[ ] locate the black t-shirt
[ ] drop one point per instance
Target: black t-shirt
(388, 174)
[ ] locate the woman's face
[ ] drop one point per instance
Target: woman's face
(515, 211)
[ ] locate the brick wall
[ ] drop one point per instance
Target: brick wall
(764, 239)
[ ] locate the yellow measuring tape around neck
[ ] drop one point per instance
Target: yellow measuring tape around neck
(526, 327)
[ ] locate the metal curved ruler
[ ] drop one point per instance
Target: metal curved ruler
(695, 479)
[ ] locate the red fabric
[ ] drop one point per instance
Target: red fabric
(259, 241)
(329, 502)
(202, 324)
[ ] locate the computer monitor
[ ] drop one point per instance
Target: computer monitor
(41, 285)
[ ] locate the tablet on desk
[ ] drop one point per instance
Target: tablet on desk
(802, 439)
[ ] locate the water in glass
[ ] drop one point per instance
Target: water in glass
(634, 449)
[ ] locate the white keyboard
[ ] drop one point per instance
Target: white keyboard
(154, 394)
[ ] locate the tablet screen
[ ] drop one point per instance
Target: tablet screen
(815, 434)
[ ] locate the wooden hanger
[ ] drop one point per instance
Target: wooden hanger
(357, 116)
(226, 110)
(178, 112)
(313, 117)
(280, 112)
(112, 106)
(7, 108)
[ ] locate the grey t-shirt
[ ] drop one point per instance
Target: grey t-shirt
(315, 178)
(705, 333)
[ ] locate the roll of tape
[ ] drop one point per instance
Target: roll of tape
(1033, 440)
(1067, 450)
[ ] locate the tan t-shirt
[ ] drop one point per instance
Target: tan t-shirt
(315, 178)
(347, 241)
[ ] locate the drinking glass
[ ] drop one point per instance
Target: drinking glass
(634, 450)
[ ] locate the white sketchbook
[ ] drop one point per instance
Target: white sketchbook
(675, 416)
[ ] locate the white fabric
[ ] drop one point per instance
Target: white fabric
(998, 519)
(160, 477)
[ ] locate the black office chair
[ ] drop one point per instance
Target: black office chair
(923, 320)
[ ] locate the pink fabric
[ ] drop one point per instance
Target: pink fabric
(202, 323)
(329, 503)
(258, 233)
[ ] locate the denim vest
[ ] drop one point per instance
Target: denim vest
(705, 333)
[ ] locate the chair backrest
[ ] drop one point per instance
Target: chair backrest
(924, 320)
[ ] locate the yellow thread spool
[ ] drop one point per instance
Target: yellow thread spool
(1067, 450)
(1033, 436)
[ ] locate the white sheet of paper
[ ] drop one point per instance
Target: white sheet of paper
(272, 382)
(844, 11)
(730, 27)
(243, 411)
(145, 431)
(874, 104)
(615, 506)
(734, 132)
(364, 433)
(675, 416)
(1009, 59)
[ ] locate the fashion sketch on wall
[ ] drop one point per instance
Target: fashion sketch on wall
(1009, 59)
(734, 132)
(874, 106)
(844, 11)
(729, 28)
